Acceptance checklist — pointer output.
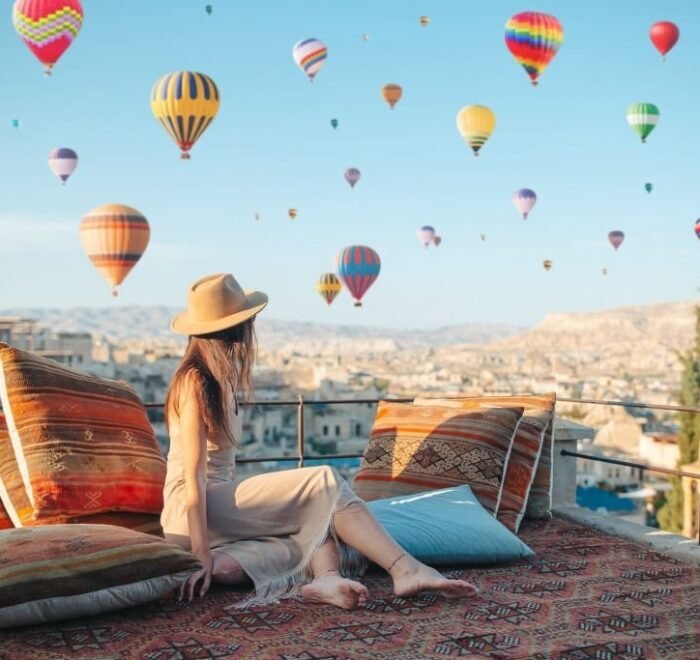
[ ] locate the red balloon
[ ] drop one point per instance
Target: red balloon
(664, 36)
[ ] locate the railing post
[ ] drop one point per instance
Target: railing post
(300, 430)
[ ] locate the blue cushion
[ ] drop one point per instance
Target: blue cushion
(448, 526)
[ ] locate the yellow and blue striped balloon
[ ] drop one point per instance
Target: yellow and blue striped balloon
(185, 103)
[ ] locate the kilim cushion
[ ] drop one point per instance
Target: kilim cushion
(448, 526)
(5, 520)
(83, 444)
(20, 512)
(417, 448)
(528, 480)
(65, 571)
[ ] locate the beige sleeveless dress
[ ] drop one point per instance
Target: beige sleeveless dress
(271, 524)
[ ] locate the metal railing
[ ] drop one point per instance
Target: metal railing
(301, 456)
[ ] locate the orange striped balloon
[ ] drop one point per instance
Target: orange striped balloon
(114, 237)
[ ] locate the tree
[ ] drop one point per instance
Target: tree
(670, 516)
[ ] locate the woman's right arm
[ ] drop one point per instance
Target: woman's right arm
(194, 441)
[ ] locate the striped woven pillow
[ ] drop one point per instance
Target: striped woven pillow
(83, 444)
(414, 449)
(5, 520)
(528, 481)
(66, 571)
(15, 504)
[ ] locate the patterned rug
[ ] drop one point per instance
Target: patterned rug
(584, 595)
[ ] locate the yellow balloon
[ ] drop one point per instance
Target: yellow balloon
(185, 103)
(475, 123)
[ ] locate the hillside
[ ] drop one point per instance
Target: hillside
(137, 322)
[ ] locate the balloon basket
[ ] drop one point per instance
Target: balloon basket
(114, 293)
(358, 304)
(534, 83)
(185, 156)
(47, 73)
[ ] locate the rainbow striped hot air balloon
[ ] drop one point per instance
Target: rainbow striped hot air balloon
(63, 162)
(48, 27)
(358, 268)
(475, 124)
(185, 103)
(114, 237)
(328, 286)
(310, 55)
(697, 228)
(533, 39)
(643, 117)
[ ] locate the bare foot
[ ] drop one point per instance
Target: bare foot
(415, 577)
(335, 590)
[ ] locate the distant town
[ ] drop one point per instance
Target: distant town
(621, 355)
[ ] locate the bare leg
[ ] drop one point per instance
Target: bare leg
(357, 527)
(328, 586)
(226, 570)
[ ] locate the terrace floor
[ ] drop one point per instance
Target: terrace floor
(585, 594)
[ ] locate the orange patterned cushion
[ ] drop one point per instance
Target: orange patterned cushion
(530, 455)
(413, 449)
(5, 520)
(83, 444)
(20, 512)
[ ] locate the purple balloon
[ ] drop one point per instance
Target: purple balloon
(616, 237)
(352, 176)
(524, 200)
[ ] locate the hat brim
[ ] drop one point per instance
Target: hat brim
(184, 324)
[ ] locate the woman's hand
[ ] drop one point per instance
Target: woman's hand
(203, 576)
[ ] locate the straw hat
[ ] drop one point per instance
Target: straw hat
(217, 302)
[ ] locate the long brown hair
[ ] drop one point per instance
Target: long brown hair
(215, 361)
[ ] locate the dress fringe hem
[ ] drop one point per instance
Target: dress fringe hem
(287, 585)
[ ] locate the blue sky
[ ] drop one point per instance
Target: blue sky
(272, 147)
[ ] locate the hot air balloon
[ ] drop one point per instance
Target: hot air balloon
(48, 27)
(664, 35)
(475, 123)
(533, 39)
(643, 117)
(648, 187)
(310, 55)
(334, 123)
(483, 237)
(616, 237)
(424, 20)
(328, 286)
(392, 93)
(352, 176)
(63, 162)
(547, 263)
(185, 103)
(358, 268)
(426, 235)
(524, 200)
(437, 240)
(16, 123)
(114, 237)
(697, 228)
(605, 271)
(209, 9)
(293, 213)
(365, 37)
(257, 216)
